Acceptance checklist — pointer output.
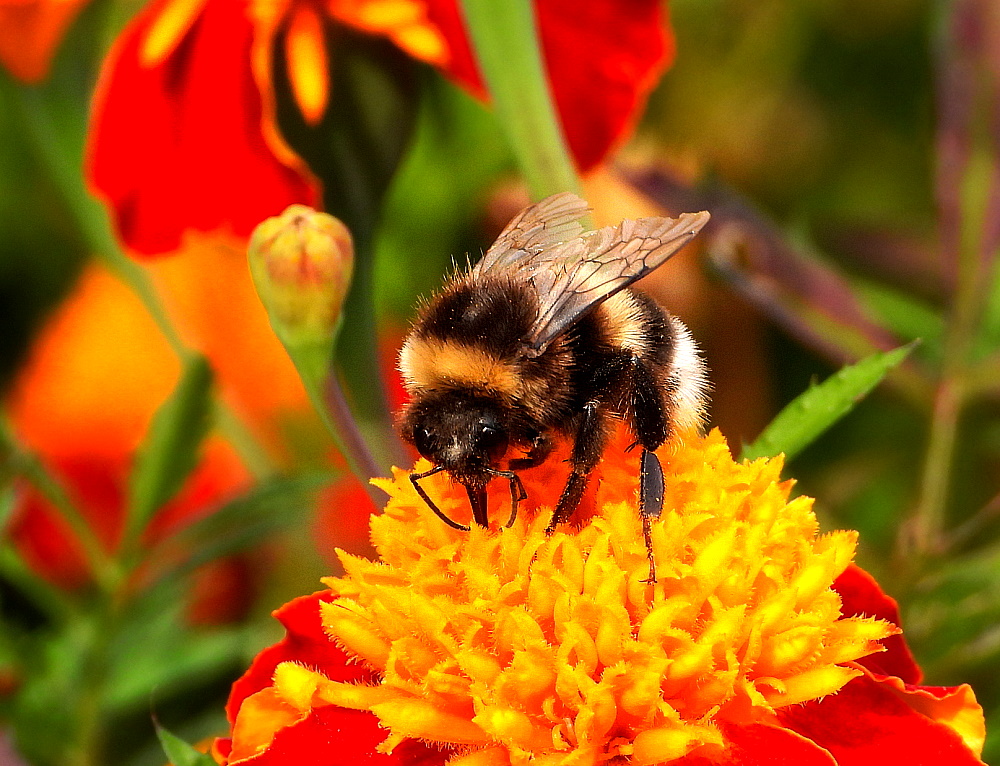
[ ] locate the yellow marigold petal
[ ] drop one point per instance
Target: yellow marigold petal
(813, 684)
(308, 67)
(419, 719)
(354, 696)
(669, 743)
(404, 21)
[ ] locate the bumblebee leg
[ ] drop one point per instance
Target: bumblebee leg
(517, 493)
(414, 479)
(591, 437)
(650, 501)
(646, 401)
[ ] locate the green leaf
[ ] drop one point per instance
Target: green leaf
(170, 451)
(812, 412)
(179, 752)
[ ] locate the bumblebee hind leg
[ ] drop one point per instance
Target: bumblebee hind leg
(646, 401)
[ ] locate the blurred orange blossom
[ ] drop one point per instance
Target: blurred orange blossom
(95, 377)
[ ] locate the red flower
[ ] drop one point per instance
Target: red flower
(184, 135)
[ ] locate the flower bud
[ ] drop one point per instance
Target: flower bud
(301, 264)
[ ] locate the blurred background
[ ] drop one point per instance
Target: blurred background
(848, 153)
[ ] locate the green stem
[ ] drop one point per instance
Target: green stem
(62, 165)
(505, 40)
(320, 380)
(956, 370)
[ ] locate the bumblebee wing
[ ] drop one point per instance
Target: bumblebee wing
(534, 230)
(575, 276)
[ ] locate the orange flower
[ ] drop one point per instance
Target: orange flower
(185, 137)
(83, 403)
(760, 642)
(30, 32)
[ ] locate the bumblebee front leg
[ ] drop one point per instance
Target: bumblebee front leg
(588, 445)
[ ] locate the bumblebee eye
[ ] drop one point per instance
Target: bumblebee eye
(491, 438)
(423, 441)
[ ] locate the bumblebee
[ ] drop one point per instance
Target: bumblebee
(543, 339)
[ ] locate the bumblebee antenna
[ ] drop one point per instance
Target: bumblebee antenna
(416, 477)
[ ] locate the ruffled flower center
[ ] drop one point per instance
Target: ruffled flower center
(510, 645)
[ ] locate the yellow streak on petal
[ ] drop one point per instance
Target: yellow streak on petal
(308, 68)
(424, 43)
(512, 728)
(958, 710)
(419, 719)
(166, 31)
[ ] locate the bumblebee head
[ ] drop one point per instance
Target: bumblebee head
(463, 433)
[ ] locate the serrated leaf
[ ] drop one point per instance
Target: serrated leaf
(814, 411)
(179, 752)
(170, 450)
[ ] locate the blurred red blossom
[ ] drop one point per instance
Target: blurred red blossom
(184, 133)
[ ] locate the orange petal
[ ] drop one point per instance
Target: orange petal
(30, 33)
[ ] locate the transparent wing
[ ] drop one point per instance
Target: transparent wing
(575, 276)
(534, 230)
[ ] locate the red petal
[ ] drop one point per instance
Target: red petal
(305, 642)
(178, 144)
(761, 744)
(867, 723)
(335, 736)
(328, 736)
(603, 58)
(861, 595)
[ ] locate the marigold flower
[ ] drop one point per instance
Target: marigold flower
(187, 93)
(507, 646)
